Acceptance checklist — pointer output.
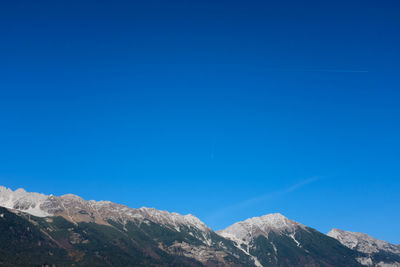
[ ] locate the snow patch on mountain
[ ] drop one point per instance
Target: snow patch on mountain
(292, 236)
(365, 261)
(388, 264)
(243, 246)
(23, 201)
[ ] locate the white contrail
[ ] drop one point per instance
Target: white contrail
(335, 70)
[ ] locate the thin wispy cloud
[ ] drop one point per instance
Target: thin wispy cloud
(256, 200)
(334, 70)
(306, 69)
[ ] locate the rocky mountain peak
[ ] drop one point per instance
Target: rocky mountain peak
(363, 242)
(72, 197)
(253, 227)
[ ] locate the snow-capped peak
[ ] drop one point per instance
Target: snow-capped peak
(363, 242)
(272, 221)
(243, 233)
(22, 200)
(253, 227)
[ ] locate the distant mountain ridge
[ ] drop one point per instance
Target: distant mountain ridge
(76, 209)
(378, 252)
(68, 230)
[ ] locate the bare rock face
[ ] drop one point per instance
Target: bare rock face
(76, 209)
(369, 245)
(244, 233)
(362, 242)
(249, 229)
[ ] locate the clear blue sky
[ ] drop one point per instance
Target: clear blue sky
(223, 109)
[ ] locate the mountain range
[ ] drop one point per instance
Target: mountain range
(47, 230)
